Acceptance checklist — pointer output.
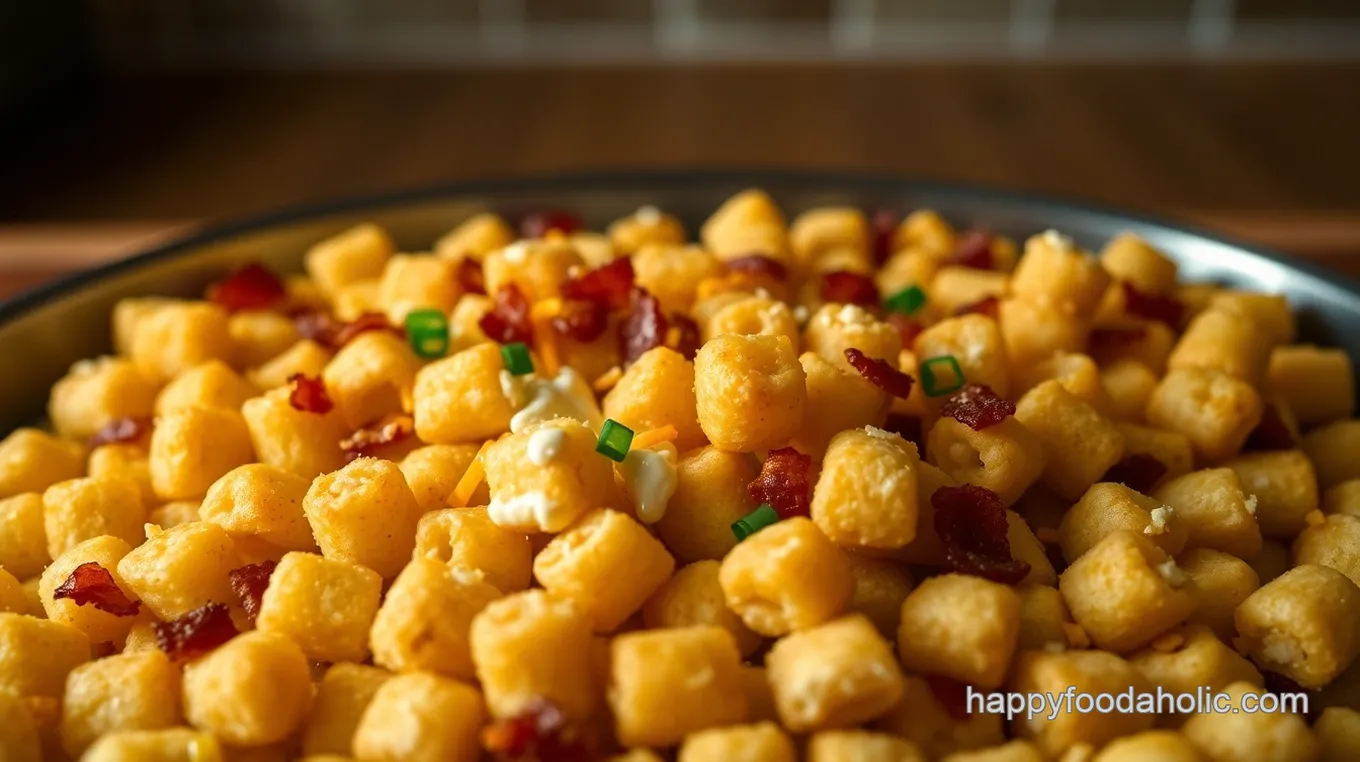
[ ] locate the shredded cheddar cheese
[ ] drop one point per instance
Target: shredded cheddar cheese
(607, 380)
(472, 479)
(545, 336)
(656, 436)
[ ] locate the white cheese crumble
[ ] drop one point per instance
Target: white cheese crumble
(650, 476)
(1057, 240)
(1251, 504)
(1174, 575)
(800, 313)
(878, 433)
(546, 444)
(1159, 518)
(648, 215)
(516, 252)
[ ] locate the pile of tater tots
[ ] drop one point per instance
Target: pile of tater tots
(779, 491)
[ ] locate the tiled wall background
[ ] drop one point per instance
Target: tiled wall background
(150, 34)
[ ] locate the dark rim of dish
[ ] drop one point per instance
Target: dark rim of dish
(675, 179)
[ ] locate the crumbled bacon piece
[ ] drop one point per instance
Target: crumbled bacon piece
(609, 285)
(884, 226)
(92, 585)
(539, 224)
(881, 373)
(1271, 433)
(391, 428)
(783, 482)
(123, 430)
(508, 321)
(687, 338)
(580, 320)
(1118, 336)
(253, 287)
(1138, 471)
(644, 328)
(977, 407)
(317, 325)
(846, 287)
(196, 633)
(249, 583)
(538, 734)
(1151, 306)
(907, 327)
(951, 694)
(987, 305)
(906, 426)
(309, 394)
(973, 249)
(470, 276)
(369, 321)
(971, 523)
(757, 264)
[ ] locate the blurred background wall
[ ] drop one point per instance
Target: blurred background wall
(120, 119)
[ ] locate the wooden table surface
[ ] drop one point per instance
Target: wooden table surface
(1265, 153)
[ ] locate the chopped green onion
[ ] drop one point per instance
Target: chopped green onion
(428, 332)
(754, 521)
(907, 301)
(517, 359)
(931, 383)
(614, 441)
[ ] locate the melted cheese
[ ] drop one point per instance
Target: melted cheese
(567, 395)
(529, 510)
(651, 479)
(545, 444)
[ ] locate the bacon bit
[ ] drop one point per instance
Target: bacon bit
(783, 482)
(881, 373)
(973, 249)
(906, 426)
(369, 321)
(1168, 643)
(538, 734)
(1076, 635)
(92, 585)
(538, 224)
(253, 287)
(393, 427)
(987, 305)
(1151, 306)
(643, 329)
(951, 694)
(609, 285)
(884, 226)
(123, 430)
(757, 264)
(309, 394)
(470, 276)
(846, 287)
(977, 407)
(1117, 337)
(581, 320)
(196, 633)
(249, 583)
(607, 380)
(508, 321)
(908, 328)
(1138, 471)
(317, 325)
(471, 479)
(1271, 433)
(971, 523)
